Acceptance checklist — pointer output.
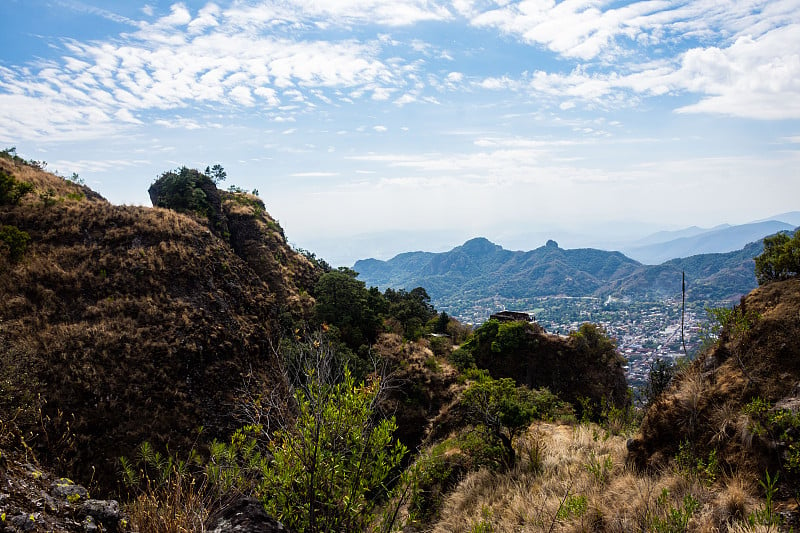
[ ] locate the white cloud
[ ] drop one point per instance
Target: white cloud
(380, 129)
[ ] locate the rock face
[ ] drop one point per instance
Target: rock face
(33, 499)
(122, 324)
(738, 399)
(247, 515)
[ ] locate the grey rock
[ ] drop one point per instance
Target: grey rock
(106, 512)
(89, 525)
(65, 488)
(246, 515)
(24, 522)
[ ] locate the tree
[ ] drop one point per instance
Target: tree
(344, 301)
(412, 309)
(183, 190)
(216, 173)
(661, 374)
(331, 455)
(780, 259)
(505, 409)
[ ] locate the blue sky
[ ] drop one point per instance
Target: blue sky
(371, 127)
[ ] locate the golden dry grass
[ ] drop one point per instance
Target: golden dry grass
(583, 485)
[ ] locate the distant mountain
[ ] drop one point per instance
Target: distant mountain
(721, 239)
(792, 217)
(480, 268)
(479, 271)
(666, 236)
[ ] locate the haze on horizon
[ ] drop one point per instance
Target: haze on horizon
(370, 126)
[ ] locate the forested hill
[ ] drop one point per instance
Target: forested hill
(479, 269)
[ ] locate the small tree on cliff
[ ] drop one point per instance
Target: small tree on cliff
(780, 259)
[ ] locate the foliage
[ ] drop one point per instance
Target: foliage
(183, 190)
(216, 173)
(780, 259)
(660, 376)
(168, 495)
(316, 261)
(329, 465)
(705, 469)
(574, 505)
(599, 470)
(507, 410)
(343, 301)
(677, 518)
(411, 308)
(14, 241)
(779, 425)
(731, 319)
(462, 358)
(12, 190)
(767, 515)
(592, 341)
(440, 469)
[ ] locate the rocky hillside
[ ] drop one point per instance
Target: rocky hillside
(121, 324)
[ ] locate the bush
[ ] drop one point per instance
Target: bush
(780, 259)
(14, 241)
(11, 190)
(183, 190)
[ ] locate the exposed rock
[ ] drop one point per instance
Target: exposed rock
(246, 515)
(106, 512)
(66, 489)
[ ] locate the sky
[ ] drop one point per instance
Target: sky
(372, 127)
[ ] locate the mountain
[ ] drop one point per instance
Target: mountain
(695, 241)
(671, 235)
(480, 271)
(120, 324)
(480, 268)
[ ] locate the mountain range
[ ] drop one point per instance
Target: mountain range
(479, 270)
(664, 246)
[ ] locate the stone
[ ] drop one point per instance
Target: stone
(246, 515)
(106, 512)
(66, 489)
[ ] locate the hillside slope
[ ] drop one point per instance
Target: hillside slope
(121, 324)
(740, 399)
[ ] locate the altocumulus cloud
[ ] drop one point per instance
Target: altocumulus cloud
(289, 57)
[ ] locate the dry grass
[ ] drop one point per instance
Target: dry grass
(582, 484)
(179, 507)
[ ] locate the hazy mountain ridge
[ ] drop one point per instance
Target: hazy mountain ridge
(720, 239)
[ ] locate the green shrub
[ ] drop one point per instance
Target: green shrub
(14, 241)
(11, 190)
(780, 258)
(182, 190)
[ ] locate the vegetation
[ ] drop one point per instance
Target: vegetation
(780, 259)
(13, 242)
(506, 410)
(184, 190)
(132, 324)
(12, 190)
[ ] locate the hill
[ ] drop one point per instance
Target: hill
(739, 401)
(480, 271)
(121, 324)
